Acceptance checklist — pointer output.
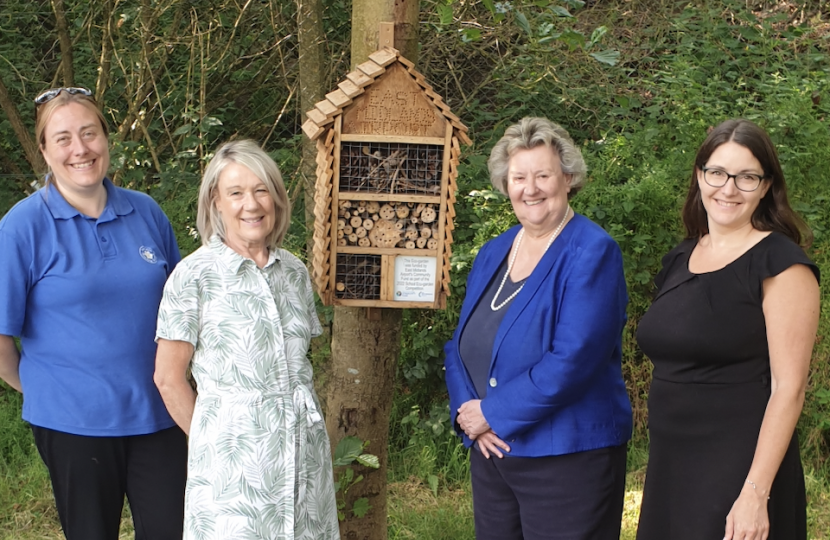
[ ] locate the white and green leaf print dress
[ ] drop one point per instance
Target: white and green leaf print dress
(259, 463)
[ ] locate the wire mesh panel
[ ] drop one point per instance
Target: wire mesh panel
(358, 277)
(394, 168)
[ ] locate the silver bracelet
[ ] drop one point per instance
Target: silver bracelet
(754, 487)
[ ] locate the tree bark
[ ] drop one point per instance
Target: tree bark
(312, 82)
(30, 147)
(311, 39)
(366, 18)
(359, 396)
(65, 42)
(105, 61)
(365, 347)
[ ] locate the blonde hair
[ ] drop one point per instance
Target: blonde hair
(248, 154)
(529, 133)
(46, 110)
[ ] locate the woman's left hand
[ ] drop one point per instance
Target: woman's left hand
(748, 519)
(489, 444)
(471, 419)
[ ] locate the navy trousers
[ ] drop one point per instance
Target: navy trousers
(570, 497)
(91, 475)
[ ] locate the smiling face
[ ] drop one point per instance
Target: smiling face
(246, 206)
(538, 189)
(727, 207)
(75, 148)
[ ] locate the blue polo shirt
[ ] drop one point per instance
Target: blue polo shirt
(83, 295)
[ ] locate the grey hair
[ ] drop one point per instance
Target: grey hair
(248, 154)
(529, 133)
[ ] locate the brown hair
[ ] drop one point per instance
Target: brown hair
(46, 110)
(774, 212)
(248, 154)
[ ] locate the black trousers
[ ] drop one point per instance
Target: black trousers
(91, 475)
(570, 497)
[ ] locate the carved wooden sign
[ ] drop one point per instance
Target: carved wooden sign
(394, 105)
(387, 162)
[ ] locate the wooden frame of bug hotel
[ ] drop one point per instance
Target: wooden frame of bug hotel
(387, 163)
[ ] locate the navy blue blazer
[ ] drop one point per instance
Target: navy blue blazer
(555, 379)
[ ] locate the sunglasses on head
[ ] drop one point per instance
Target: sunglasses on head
(52, 93)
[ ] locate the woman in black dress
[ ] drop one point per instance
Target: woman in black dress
(730, 333)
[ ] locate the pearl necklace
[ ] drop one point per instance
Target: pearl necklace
(507, 300)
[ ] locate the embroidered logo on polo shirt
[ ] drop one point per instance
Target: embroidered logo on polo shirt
(147, 254)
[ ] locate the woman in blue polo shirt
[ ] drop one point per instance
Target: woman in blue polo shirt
(83, 267)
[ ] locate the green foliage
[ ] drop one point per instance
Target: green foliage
(16, 444)
(349, 451)
(637, 84)
(639, 124)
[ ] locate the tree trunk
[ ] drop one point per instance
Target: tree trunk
(30, 147)
(66, 43)
(106, 54)
(366, 342)
(311, 37)
(364, 354)
(366, 18)
(312, 83)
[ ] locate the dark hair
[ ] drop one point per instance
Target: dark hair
(774, 212)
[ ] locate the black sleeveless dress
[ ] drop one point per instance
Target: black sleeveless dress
(706, 335)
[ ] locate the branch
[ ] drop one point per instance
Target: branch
(106, 54)
(22, 179)
(66, 43)
(279, 117)
(230, 39)
(23, 137)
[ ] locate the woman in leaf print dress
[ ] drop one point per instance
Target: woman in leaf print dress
(240, 313)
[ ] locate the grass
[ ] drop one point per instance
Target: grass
(429, 489)
(416, 512)
(27, 509)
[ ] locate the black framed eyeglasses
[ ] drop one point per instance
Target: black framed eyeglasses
(743, 181)
(52, 93)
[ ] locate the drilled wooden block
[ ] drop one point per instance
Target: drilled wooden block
(359, 78)
(338, 98)
(312, 130)
(349, 88)
(371, 69)
(383, 57)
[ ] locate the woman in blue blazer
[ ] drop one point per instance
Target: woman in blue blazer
(534, 367)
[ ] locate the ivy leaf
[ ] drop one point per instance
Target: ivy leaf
(559, 11)
(608, 56)
(369, 460)
(576, 4)
(573, 39)
(348, 450)
(211, 121)
(470, 34)
(597, 34)
(361, 507)
(523, 23)
(491, 7)
(183, 130)
(444, 13)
